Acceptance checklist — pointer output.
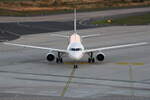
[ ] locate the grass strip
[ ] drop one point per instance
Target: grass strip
(130, 20)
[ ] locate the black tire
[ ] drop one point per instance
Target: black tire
(61, 60)
(75, 66)
(93, 60)
(89, 60)
(57, 60)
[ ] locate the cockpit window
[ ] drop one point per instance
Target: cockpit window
(75, 49)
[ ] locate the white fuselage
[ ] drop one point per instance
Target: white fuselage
(75, 47)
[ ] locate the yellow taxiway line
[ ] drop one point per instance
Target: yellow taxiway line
(130, 63)
(68, 82)
(73, 63)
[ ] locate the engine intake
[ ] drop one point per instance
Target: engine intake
(100, 57)
(50, 57)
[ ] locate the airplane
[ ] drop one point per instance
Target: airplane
(75, 49)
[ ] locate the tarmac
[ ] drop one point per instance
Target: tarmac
(26, 74)
(26, 71)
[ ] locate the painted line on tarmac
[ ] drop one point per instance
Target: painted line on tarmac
(72, 63)
(68, 82)
(79, 63)
(129, 63)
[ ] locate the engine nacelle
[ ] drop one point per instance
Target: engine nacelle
(100, 56)
(50, 57)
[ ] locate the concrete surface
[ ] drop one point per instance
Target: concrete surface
(26, 71)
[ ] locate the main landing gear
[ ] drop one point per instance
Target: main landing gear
(59, 58)
(91, 58)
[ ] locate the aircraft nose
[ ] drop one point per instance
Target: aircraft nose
(76, 56)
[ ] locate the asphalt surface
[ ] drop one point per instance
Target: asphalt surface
(13, 27)
(11, 31)
(26, 71)
(26, 74)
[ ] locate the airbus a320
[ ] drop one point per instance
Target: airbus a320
(75, 49)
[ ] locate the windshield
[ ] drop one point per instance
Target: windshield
(75, 49)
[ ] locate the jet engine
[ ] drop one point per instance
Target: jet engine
(100, 56)
(50, 57)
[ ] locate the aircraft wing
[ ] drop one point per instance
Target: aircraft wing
(115, 47)
(36, 47)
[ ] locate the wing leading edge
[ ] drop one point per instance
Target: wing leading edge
(36, 47)
(115, 47)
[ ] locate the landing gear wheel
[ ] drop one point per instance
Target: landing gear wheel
(59, 60)
(91, 60)
(75, 66)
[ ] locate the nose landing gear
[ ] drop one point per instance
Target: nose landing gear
(75, 66)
